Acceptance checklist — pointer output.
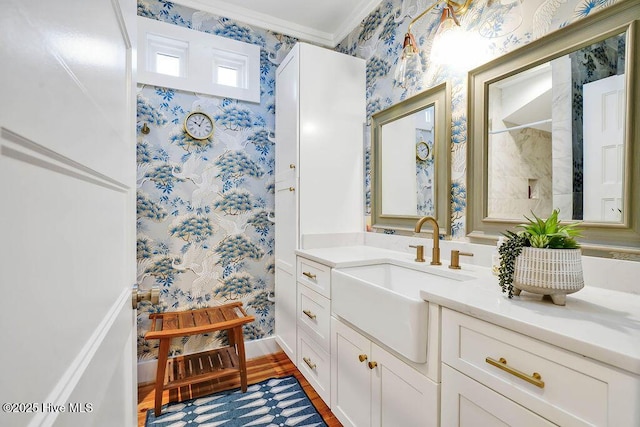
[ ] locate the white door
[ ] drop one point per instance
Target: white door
(603, 149)
(67, 217)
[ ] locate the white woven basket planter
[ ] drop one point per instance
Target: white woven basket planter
(553, 272)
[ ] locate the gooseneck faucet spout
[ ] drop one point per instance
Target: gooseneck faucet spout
(435, 252)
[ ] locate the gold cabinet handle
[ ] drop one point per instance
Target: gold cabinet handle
(362, 357)
(309, 314)
(292, 166)
(373, 365)
(309, 363)
(309, 275)
(535, 378)
(292, 189)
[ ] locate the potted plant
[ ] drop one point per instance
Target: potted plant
(543, 258)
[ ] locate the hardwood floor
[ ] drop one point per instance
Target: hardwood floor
(275, 365)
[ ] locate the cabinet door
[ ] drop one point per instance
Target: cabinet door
(287, 100)
(350, 377)
(467, 403)
(401, 396)
(285, 274)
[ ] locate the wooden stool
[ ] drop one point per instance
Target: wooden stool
(194, 368)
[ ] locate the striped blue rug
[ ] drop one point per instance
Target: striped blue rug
(274, 402)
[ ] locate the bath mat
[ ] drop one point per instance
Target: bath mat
(273, 402)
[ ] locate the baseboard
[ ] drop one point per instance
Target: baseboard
(253, 349)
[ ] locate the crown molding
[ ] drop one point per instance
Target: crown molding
(278, 25)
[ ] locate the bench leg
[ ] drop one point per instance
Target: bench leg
(239, 341)
(163, 355)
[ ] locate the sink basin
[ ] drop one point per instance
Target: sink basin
(383, 300)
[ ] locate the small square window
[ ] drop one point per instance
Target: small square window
(167, 64)
(227, 76)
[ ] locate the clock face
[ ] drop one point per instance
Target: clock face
(422, 150)
(198, 125)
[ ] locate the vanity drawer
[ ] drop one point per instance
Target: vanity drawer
(314, 316)
(571, 391)
(314, 275)
(315, 364)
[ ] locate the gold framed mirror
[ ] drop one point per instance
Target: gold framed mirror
(410, 161)
(554, 124)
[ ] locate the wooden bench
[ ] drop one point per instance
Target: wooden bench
(185, 370)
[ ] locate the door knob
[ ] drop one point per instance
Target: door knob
(372, 364)
(137, 295)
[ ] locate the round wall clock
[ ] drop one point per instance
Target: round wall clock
(422, 151)
(198, 125)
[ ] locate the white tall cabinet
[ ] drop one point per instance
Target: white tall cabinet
(320, 116)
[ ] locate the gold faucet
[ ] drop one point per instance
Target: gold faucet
(435, 252)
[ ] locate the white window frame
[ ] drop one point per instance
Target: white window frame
(200, 55)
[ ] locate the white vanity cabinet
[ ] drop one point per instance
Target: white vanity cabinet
(372, 387)
(506, 378)
(320, 115)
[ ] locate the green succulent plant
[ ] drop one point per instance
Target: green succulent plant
(550, 233)
(536, 233)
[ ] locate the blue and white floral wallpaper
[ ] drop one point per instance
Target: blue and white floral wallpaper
(204, 234)
(203, 229)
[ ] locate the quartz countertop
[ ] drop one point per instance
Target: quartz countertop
(598, 323)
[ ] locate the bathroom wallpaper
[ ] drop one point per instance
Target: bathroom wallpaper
(203, 207)
(203, 229)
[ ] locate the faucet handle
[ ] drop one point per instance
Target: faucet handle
(455, 258)
(419, 252)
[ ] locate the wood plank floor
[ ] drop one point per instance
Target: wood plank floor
(274, 365)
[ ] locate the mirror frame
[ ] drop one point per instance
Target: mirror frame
(440, 97)
(618, 240)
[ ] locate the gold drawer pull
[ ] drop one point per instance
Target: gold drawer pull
(534, 379)
(309, 275)
(373, 365)
(292, 189)
(292, 166)
(309, 314)
(309, 363)
(362, 357)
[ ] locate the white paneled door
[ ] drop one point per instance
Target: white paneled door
(603, 136)
(67, 213)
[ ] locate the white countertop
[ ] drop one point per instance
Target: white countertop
(601, 324)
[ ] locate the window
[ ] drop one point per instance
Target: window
(227, 76)
(185, 59)
(167, 64)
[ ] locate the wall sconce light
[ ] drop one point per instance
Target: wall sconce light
(409, 66)
(452, 44)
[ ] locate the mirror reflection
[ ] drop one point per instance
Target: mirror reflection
(410, 161)
(407, 151)
(556, 137)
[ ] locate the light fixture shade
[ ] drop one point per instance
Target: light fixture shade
(456, 47)
(409, 68)
(500, 17)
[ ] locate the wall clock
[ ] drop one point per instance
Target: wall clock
(422, 151)
(198, 125)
